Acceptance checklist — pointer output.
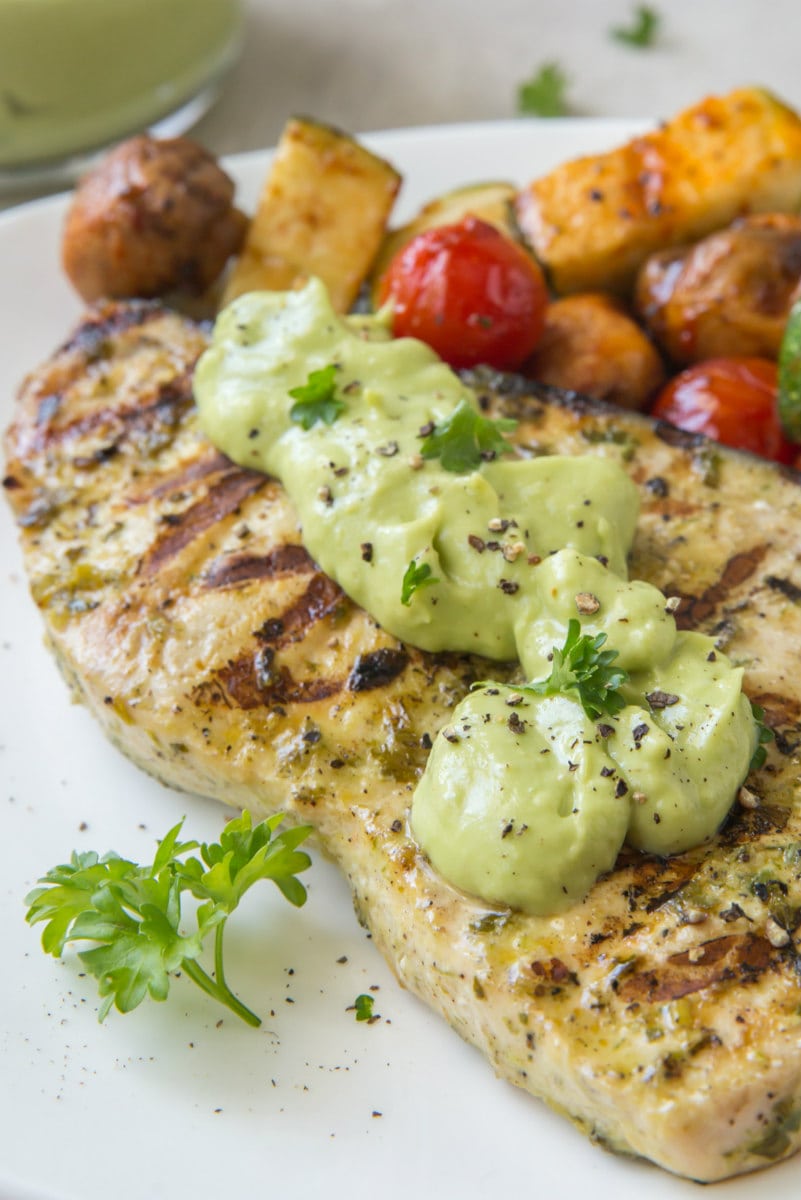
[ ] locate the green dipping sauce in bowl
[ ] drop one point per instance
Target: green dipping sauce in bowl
(76, 75)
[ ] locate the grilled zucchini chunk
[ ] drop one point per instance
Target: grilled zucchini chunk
(593, 221)
(491, 202)
(323, 211)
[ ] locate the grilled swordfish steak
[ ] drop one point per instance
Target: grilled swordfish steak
(663, 1014)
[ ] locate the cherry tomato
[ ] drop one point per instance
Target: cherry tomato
(733, 400)
(472, 294)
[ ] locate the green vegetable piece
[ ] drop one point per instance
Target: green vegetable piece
(764, 735)
(133, 912)
(416, 575)
(643, 29)
(582, 669)
(364, 1007)
(465, 439)
(316, 399)
(790, 375)
(543, 95)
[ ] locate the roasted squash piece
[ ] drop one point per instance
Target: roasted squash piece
(323, 211)
(593, 221)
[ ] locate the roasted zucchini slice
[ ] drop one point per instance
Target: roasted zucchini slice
(323, 211)
(492, 202)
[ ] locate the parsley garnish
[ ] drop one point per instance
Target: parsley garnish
(316, 399)
(364, 1007)
(764, 735)
(789, 398)
(416, 575)
(133, 912)
(544, 94)
(466, 438)
(581, 668)
(643, 29)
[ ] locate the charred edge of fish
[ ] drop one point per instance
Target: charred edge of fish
(750, 824)
(377, 669)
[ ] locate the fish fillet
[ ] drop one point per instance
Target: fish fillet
(663, 1014)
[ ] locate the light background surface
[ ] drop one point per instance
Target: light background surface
(386, 64)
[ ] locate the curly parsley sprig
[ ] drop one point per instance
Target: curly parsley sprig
(316, 399)
(764, 735)
(643, 30)
(465, 439)
(543, 95)
(417, 575)
(133, 913)
(582, 669)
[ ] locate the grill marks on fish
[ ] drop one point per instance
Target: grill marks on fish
(236, 569)
(376, 669)
(186, 613)
(740, 569)
(732, 958)
(223, 498)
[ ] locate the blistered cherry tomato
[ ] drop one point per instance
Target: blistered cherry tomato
(472, 294)
(733, 400)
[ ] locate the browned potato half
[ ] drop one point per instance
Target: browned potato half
(591, 345)
(592, 222)
(731, 293)
(323, 211)
(154, 216)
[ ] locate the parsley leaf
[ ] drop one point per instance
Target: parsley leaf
(764, 735)
(416, 575)
(364, 1007)
(581, 668)
(316, 399)
(133, 912)
(543, 95)
(643, 29)
(466, 438)
(789, 398)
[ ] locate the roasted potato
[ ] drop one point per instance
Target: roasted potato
(591, 345)
(731, 293)
(154, 216)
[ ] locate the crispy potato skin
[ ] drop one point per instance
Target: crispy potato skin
(591, 345)
(154, 216)
(730, 293)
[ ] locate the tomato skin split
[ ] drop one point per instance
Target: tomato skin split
(471, 293)
(734, 401)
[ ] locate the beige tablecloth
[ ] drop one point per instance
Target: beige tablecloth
(374, 64)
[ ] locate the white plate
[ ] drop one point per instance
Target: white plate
(168, 1101)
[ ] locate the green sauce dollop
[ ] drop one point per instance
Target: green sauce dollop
(524, 803)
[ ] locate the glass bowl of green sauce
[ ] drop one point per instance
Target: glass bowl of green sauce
(78, 75)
